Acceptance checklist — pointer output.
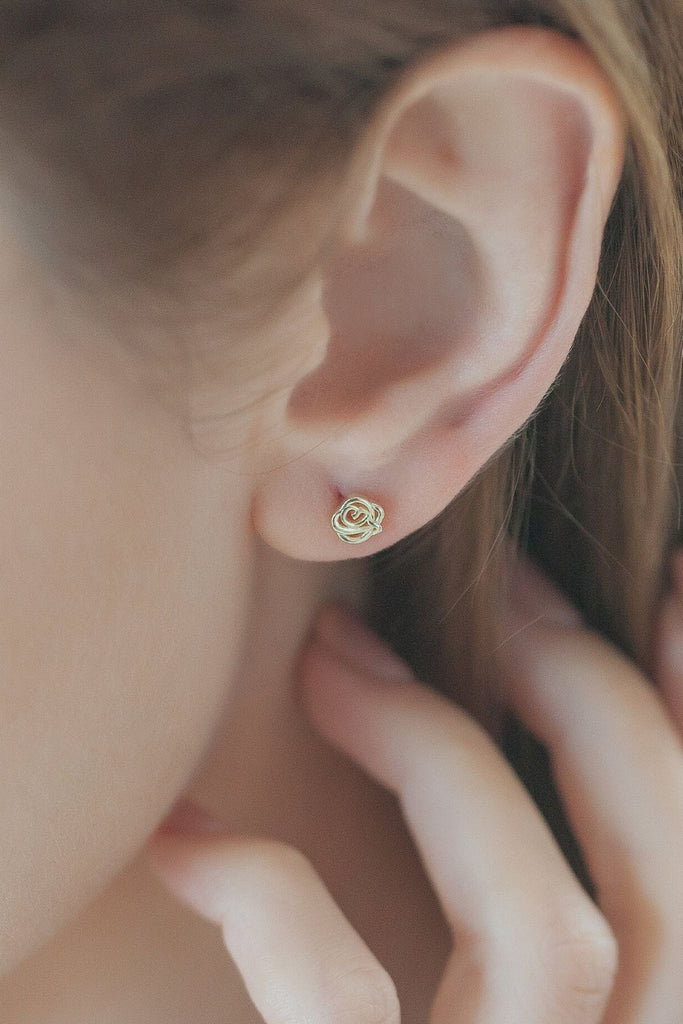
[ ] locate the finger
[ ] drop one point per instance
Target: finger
(668, 657)
(618, 763)
(298, 955)
(529, 945)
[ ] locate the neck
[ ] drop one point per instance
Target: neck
(267, 771)
(270, 775)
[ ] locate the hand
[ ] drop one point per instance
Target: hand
(530, 946)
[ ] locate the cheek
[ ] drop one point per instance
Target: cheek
(122, 601)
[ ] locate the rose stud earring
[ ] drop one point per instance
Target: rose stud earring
(357, 519)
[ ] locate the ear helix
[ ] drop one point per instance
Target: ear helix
(357, 519)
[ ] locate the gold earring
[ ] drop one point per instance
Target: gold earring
(357, 519)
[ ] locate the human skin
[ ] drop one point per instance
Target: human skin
(111, 556)
(138, 612)
(140, 615)
(527, 942)
(135, 596)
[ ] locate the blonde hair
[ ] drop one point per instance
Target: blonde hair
(138, 116)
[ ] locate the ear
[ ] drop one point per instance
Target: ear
(473, 215)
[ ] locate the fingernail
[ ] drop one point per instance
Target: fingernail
(357, 646)
(533, 592)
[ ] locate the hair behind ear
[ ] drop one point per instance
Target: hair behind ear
(591, 485)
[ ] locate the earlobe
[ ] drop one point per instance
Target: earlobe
(474, 212)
